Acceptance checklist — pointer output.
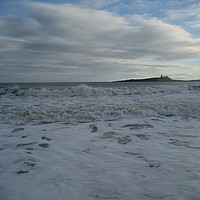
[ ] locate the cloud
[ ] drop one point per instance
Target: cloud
(70, 28)
(188, 15)
(87, 43)
(97, 4)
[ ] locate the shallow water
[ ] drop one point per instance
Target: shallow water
(100, 141)
(81, 102)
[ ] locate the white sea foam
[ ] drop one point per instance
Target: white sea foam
(150, 149)
(86, 91)
(84, 103)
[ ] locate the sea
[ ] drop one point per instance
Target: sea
(103, 140)
(96, 101)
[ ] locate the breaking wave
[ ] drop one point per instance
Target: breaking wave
(86, 91)
(85, 104)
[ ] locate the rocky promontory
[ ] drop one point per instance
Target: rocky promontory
(155, 79)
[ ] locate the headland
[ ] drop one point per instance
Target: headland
(156, 79)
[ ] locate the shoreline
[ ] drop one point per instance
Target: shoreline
(156, 79)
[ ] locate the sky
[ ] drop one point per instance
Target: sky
(98, 40)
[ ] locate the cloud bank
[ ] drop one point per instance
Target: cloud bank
(65, 42)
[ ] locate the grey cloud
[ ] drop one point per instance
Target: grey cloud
(69, 39)
(189, 16)
(68, 28)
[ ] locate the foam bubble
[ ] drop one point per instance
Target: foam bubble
(84, 103)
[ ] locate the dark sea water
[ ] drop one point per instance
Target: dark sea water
(92, 84)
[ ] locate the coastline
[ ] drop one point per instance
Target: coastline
(157, 79)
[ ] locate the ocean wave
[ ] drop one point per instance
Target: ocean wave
(84, 103)
(95, 113)
(86, 91)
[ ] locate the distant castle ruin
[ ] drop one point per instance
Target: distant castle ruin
(164, 76)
